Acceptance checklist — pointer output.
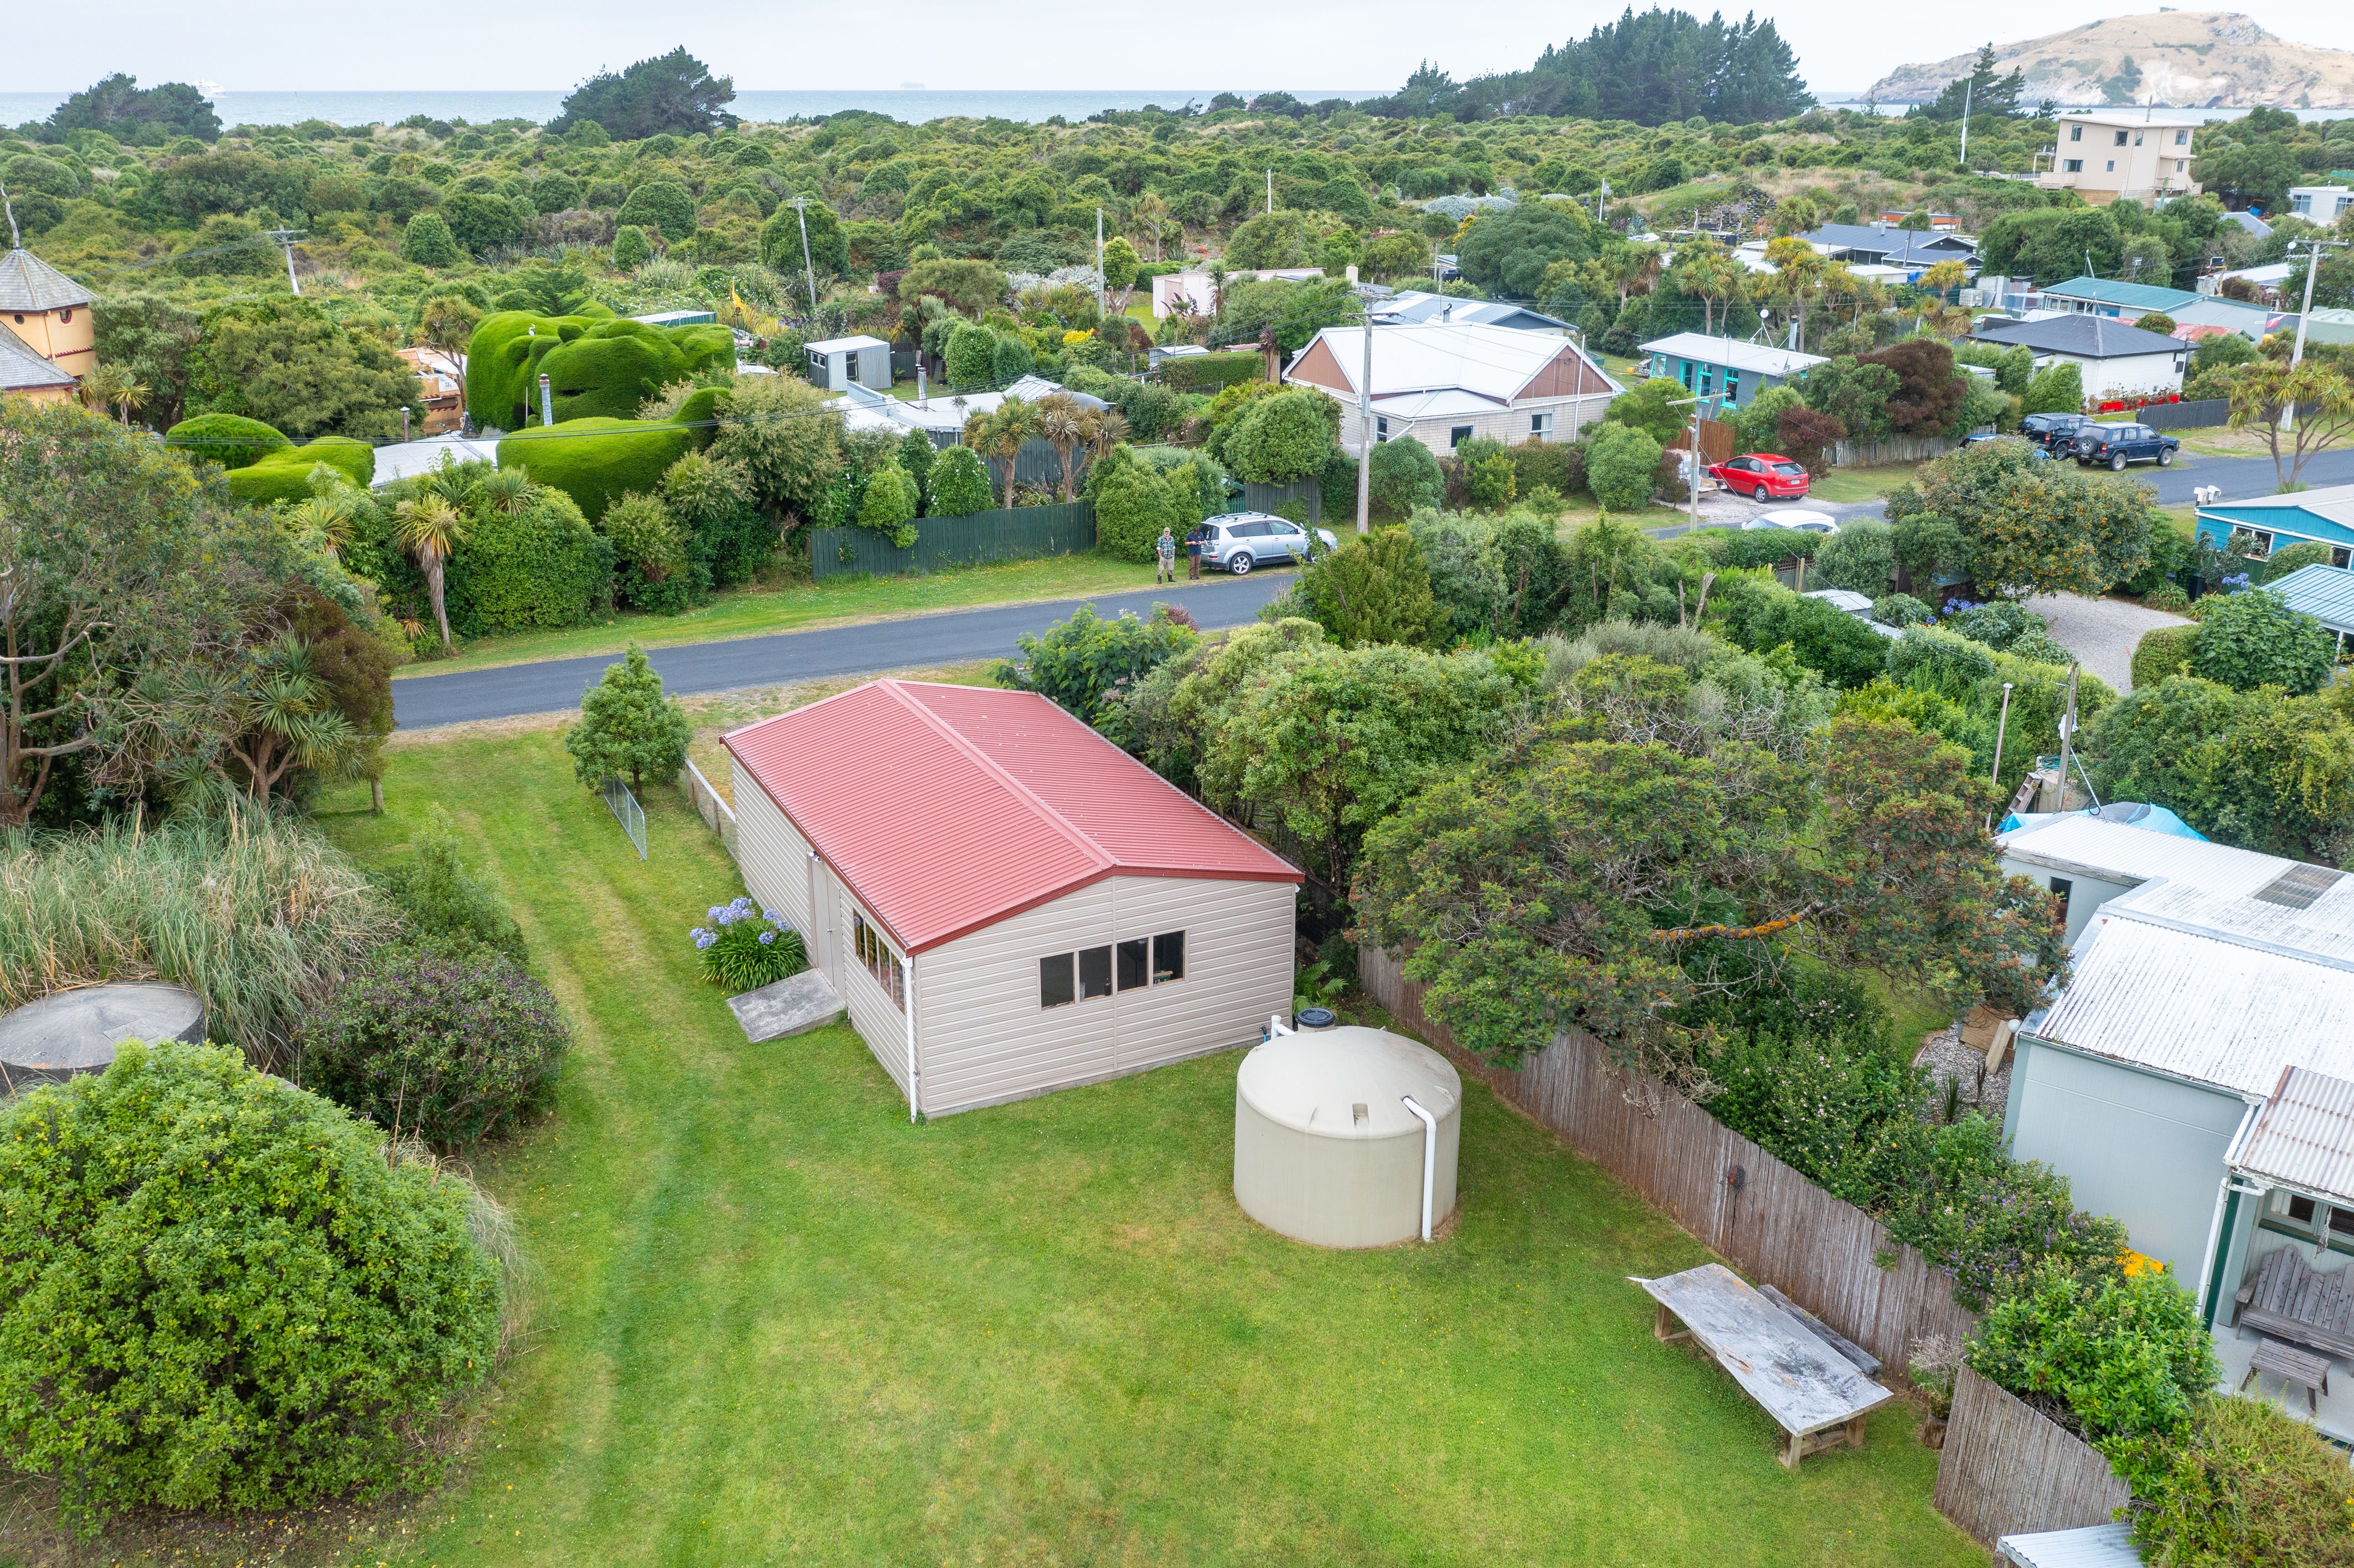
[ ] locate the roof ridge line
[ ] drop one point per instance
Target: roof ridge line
(1062, 824)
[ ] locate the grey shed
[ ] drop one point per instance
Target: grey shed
(70, 1032)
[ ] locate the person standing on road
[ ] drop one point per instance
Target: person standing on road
(1193, 540)
(1165, 551)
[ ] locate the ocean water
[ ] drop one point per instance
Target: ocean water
(480, 107)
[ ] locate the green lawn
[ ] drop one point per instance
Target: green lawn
(1841, 486)
(782, 1324)
(802, 607)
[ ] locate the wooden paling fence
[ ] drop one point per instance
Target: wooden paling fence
(2007, 1469)
(1895, 449)
(1777, 1226)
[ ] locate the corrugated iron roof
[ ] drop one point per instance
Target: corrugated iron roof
(29, 283)
(2304, 1138)
(2324, 592)
(2092, 1546)
(2118, 852)
(946, 809)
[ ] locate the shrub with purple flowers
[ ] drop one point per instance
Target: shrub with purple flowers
(1991, 1221)
(745, 948)
(448, 1045)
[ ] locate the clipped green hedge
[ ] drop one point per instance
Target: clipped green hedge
(541, 568)
(231, 440)
(597, 462)
(284, 473)
(611, 367)
(2163, 652)
(1210, 372)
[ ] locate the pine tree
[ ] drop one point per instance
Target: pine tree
(627, 725)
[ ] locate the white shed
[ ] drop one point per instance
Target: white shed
(835, 363)
(1008, 903)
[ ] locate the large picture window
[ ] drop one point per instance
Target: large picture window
(880, 960)
(1134, 964)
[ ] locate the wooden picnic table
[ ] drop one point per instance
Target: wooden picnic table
(1815, 1394)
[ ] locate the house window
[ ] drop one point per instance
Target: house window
(1068, 977)
(1143, 960)
(1380, 427)
(2112, 167)
(64, 316)
(1095, 972)
(1688, 375)
(880, 960)
(1707, 379)
(1458, 436)
(2075, 132)
(1541, 425)
(2180, 166)
(2120, 140)
(2251, 543)
(817, 363)
(2074, 166)
(2301, 204)
(2287, 1212)
(2137, 139)
(2061, 889)
(1732, 387)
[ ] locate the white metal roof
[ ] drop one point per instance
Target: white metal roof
(1433, 356)
(2324, 592)
(1445, 403)
(832, 344)
(2304, 1138)
(2115, 851)
(2093, 1546)
(2334, 502)
(1761, 358)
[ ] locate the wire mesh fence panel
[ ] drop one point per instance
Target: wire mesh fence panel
(626, 812)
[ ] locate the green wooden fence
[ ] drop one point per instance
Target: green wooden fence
(943, 544)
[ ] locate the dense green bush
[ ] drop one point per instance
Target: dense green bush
(665, 204)
(971, 355)
(2254, 639)
(711, 498)
(2241, 1481)
(1761, 617)
(1622, 467)
(221, 1296)
(284, 472)
(2127, 1355)
(442, 903)
(2163, 652)
(1284, 437)
(427, 242)
(231, 440)
(1406, 478)
(2259, 769)
(540, 565)
(631, 249)
(958, 484)
(597, 462)
(1081, 662)
(744, 951)
(1860, 557)
(1132, 507)
(1990, 1220)
(610, 368)
(446, 1045)
(1729, 549)
(1211, 372)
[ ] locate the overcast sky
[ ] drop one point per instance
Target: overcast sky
(277, 45)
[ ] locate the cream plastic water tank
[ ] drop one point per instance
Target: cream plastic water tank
(1325, 1149)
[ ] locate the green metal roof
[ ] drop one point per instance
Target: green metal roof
(2143, 297)
(2325, 593)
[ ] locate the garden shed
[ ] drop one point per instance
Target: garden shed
(837, 364)
(1008, 903)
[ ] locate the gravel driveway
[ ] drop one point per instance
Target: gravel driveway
(2102, 631)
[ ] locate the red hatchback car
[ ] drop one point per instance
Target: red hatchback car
(1762, 476)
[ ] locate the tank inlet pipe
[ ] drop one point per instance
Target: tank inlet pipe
(1429, 1158)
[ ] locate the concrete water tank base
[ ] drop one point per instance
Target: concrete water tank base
(1326, 1151)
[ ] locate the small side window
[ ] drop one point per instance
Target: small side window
(1167, 957)
(2062, 889)
(1095, 972)
(1055, 987)
(1133, 963)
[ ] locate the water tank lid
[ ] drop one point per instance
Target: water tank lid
(1314, 1082)
(77, 1031)
(1318, 1017)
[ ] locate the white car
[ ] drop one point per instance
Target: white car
(1238, 541)
(1803, 522)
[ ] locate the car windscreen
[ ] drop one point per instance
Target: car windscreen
(1789, 470)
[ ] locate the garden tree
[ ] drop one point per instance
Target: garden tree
(287, 363)
(652, 551)
(1623, 266)
(891, 502)
(427, 241)
(1002, 433)
(2160, 322)
(2260, 770)
(782, 246)
(1807, 438)
(1508, 252)
(1622, 466)
(324, 1294)
(429, 529)
(151, 340)
(959, 485)
(1800, 278)
(1271, 239)
(1295, 312)
(1929, 391)
(1985, 90)
(971, 287)
(1064, 424)
(1396, 256)
(631, 249)
(136, 115)
(1285, 436)
(711, 498)
(2032, 527)
(1120, 263)
(1593, 878)
(1503, 578)
(1649, 405)
(916, 454)
(2051, 243)
(1374, 589)
(267, 711)
(1984, 404)
(1406, 478)
(482, 221)
(1079, 663)
(1761, 616)
(787, 434)
(1757, 424)
(2127, 1353)
(2323, 394)
(117, 564)
(111, 390)
(662, 205)
(1858, 557)
(1134, 502)
(971, 356)
(2057, 389)
(1707, 270)
(1150, 213)
(627, 726)
(672, 94)
(2220, 352)
(447, 322)
(1855, 392)
(2257, 174)
(2254, 639)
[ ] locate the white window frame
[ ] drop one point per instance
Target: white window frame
(1540, 425)
(2075, 132)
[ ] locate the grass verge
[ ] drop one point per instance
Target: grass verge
(1842, 485)
(782, 1324)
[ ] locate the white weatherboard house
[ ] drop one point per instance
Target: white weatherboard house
(1443, 383)
(2109, 355)
(1007, 902)
(2195, 1078)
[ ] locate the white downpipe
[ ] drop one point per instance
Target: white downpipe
(1429, 1158)
(915, 1085)
(1277, 1027)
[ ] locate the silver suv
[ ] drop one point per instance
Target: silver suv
(1239, 541)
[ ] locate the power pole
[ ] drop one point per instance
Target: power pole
(1103, 295)
(1270, 191)
(1366, 432)
(286, 238)
(1967, 88)
(2313, 249)
(809, 267)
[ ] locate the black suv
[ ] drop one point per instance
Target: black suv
(2052, 431)
(2118, 445)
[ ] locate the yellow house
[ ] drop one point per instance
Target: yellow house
(47, 311)
(2107, 155)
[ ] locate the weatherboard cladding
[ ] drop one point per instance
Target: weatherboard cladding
(2304, 1138)
(944, 809)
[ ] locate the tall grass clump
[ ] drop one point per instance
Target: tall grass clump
(257, 913)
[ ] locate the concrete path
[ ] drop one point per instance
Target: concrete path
(2102, 633)
(950, 637)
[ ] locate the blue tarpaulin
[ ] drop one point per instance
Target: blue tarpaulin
(2130, 813)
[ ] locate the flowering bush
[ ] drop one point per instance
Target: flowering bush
(744, 950)
(1988, 1220)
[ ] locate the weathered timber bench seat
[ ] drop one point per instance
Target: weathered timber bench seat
(2288, 1298)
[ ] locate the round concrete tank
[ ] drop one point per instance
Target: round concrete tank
(70, 1032)
(1326, 1148)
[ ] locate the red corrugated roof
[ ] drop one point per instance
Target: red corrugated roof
(945, 809)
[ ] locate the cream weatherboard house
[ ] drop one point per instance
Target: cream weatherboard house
(1007, 902)
(2105, 155)
(1443, 383)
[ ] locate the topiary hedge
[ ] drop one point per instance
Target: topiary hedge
(2163, 652)
(284, 472)
(597, 462)
(231, 440)
(1211, 372)
(216, 1293)
(609, 368)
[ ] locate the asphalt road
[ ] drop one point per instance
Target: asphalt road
(951, 637)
